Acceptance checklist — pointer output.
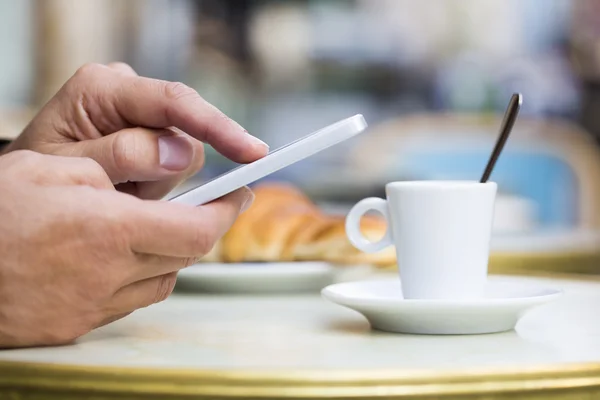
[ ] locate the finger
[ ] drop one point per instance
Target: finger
(123, 68)
(53, 170)
(151, 265)
(140, 294)
(139, 101)
(179, 230)
(159, 189)
(155, 190)
(112, 318)
(139, 154)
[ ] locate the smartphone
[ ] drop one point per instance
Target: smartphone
(274, 161)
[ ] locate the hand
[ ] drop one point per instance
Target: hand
(77, 254)
(134, 128)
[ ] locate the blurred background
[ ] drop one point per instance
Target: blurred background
(432, 79)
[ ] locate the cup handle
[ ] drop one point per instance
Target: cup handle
(353, 225)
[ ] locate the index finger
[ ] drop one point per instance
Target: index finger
(153, 103)
(179, 230)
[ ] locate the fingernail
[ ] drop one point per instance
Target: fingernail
(174, 152)
(249, 200)
(256, 140)
(253, 139)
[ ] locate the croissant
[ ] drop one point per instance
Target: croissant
(284, 225)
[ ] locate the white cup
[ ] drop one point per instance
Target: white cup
(441, 231)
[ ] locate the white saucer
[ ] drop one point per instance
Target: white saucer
(382, 304)
(257, 277)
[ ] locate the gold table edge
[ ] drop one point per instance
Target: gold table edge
(23, 378)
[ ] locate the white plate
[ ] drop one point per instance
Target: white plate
(547, 242)
(382, 304)
(257, 277)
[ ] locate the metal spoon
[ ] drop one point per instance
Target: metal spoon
(508, 122)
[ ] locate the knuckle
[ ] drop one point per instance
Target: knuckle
(88, 70)
(124, 152)
(116, 225)
(103, 286)
(178, 91)
(21, 161)
(120, 65)
(202, 240)
(24, 155)
(91, 166)
(166, 284)
(100, 279)
(94, 173)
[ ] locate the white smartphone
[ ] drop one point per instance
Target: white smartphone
(274, 161)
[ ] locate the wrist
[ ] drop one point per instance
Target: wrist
(18, 143)
(5, 146)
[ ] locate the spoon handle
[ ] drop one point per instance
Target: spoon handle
(510, 116)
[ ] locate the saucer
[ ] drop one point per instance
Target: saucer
(257, 277)
(381, 303)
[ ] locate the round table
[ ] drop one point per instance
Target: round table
(567, 251)
(301, 346)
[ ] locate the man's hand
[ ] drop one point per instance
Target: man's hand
(134, 128)
(77, 254)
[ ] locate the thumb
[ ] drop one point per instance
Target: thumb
(140, 154)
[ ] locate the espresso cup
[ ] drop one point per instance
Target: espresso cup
(441, 231)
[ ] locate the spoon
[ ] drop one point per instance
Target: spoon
(510, 116)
